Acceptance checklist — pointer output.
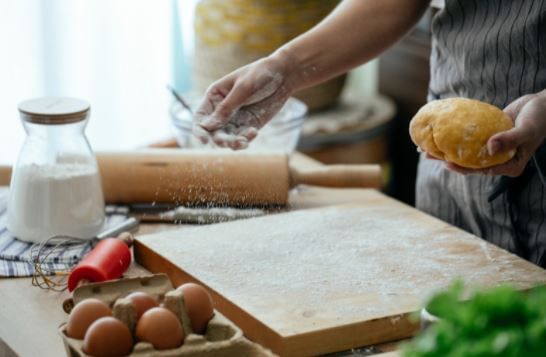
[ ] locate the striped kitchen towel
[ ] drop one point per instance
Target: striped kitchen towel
(15, 254)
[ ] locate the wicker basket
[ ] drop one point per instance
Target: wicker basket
(230, 34)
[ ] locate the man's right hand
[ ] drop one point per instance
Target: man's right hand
(239, 104)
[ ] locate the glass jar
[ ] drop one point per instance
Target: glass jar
(55, 185)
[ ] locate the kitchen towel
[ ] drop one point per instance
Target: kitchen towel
(15, 254)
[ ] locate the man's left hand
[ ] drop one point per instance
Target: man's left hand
(529, 115)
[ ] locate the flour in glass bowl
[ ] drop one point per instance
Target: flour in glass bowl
(49, 200)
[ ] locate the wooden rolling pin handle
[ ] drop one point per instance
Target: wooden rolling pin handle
(345, 176)
(5, 175)
(127, 238)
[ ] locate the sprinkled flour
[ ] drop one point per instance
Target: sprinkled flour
(254, 113)
(337, 265)
(49, 200)
(210, 215)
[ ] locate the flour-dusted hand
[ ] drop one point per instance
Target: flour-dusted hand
(238, 105)
(529, 132)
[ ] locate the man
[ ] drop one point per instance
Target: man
(493, 50)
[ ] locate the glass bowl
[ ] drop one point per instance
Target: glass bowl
(281, 134)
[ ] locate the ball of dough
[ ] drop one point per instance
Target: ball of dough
(457, 130)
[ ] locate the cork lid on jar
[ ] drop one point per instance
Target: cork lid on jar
(54, 110)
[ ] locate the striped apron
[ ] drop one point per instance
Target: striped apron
(493, 51)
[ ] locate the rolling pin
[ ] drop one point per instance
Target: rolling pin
(108, 260)
(199, 177)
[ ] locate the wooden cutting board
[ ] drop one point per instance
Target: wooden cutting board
(321, 280)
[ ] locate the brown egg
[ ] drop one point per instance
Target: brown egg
(198, 306)
(108, 337)
(142, 302)
(84, 314)
(161, 328)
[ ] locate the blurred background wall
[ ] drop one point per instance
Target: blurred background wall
(403, 76)
(119, 55)
(116, 54)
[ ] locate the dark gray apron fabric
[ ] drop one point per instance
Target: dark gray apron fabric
(493, 51)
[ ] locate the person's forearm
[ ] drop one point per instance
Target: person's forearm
(355, 32)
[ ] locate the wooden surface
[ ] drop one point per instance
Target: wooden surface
(329, 279)
(30, 316)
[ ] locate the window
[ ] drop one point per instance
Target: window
(118, 55)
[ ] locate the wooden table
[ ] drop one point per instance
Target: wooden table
(30, 316)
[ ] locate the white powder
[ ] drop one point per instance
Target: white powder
(211, 215)
(316, 269)
(267, 100)
(57, 199)
(273, 81)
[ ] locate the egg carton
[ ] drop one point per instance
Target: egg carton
(222, 337)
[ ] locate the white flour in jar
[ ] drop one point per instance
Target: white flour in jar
(51, 200)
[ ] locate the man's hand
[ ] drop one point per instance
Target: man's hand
(529, 115)
(238, 105)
